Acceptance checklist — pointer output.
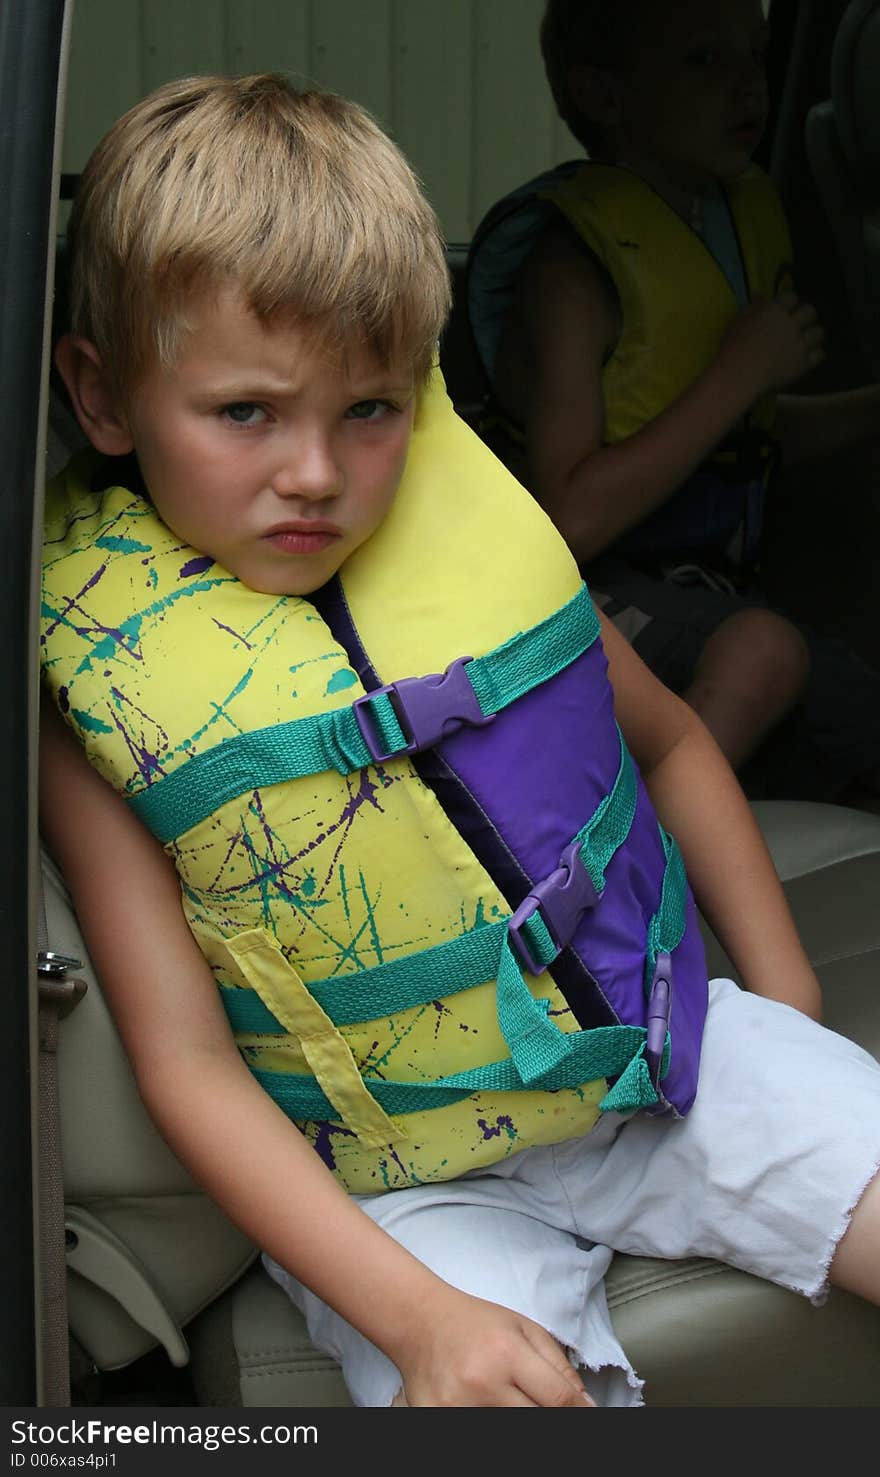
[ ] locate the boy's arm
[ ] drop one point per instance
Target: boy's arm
(699, 800)
(811, 426)
(567, 326)
(450, 1348)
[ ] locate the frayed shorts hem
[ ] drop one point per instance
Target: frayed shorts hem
(763, 1174)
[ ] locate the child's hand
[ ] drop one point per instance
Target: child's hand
(467, 1351)
(774, 343)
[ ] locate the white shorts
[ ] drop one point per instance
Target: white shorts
(763, 1174)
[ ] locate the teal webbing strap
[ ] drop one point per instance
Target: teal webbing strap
(386, 723)
(534, 656)
(327, 741)
(611, 821)
(267, 756)
(549, 1059)
(665, 932)
(459, 963)
(247, 1015)
(541, 1056)
(666, 929)
(385, 989)
(536, 1046)
(602, 1052)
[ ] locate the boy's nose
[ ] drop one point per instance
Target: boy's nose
(307, 468)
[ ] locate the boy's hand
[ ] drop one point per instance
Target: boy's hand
(468, 1352)
(774, 343)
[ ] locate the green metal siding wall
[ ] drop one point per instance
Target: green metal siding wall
(459, 84)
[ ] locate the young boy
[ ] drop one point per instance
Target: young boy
(638, 353)
(304, 932)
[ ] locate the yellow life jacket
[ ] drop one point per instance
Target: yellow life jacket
(312, 886)
(675, 301)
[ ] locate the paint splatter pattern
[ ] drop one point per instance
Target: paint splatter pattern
(154, 654)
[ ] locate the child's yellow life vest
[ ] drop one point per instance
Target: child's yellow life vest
(659, 266)
(350, 863)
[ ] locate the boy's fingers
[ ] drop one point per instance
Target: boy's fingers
(549, 1348)
(560, 1376)
(547, 1387)
(518, 1397)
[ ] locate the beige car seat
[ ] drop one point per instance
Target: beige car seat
(152, 1261)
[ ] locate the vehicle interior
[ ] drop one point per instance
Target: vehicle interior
(166, 1302)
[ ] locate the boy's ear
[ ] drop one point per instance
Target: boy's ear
(594, 93)
(95, 400)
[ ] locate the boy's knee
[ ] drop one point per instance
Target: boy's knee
(762, 654)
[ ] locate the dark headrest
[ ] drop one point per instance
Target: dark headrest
(855, 94)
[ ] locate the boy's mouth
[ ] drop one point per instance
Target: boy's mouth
(303, 538)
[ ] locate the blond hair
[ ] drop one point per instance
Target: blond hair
(296, 198)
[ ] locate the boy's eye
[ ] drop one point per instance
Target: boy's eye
(244, 413)
(368, 410)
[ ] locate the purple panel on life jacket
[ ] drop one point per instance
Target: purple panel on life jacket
(518, 790)
(539, 771)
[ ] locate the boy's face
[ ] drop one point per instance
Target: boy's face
(692, 91)
(264, 450)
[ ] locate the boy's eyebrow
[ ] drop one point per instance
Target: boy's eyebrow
(377, 390)
(257, 387)
(243, 388)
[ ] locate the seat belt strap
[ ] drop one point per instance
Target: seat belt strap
(57, 995)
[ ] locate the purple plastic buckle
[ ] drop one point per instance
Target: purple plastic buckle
(427, 709)
(659, 1011)
(563, 898)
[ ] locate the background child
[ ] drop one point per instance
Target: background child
(257, 288)
(648, 336)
